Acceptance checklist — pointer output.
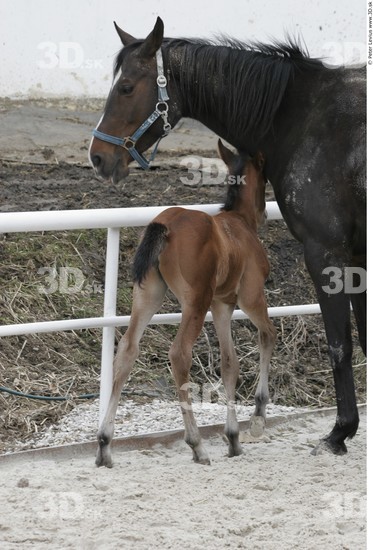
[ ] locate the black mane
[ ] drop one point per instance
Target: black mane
(256, 74)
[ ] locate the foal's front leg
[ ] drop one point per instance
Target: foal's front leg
(256, 310)
(146, 301)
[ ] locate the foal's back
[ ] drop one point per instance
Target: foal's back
(202, 247)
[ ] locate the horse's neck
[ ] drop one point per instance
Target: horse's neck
(297, 99)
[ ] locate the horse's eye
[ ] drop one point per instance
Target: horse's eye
(125, 89)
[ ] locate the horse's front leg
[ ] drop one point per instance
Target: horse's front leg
(335, 308)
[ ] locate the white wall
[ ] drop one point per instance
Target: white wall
(66, 47)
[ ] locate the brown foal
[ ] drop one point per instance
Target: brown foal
(208, 262)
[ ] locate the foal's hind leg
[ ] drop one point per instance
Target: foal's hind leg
(258, 315)
(222, 314)
(146, 301)
(181, 360)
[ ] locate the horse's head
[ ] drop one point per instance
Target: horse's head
(136, 112)
(247, 194)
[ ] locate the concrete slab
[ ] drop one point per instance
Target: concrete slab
(48, 131)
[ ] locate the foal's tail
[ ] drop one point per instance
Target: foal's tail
(151, 245)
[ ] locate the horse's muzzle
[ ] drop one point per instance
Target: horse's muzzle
(107, 166)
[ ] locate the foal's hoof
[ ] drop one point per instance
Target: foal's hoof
(235, 450)
(205, 460)
(257, 425)
(103, 459)
(325, 445)
(201, 458)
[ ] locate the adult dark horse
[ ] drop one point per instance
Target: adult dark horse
(310, 123)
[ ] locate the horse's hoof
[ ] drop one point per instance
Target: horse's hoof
(257, 425)
(107, 463)
(325, 445)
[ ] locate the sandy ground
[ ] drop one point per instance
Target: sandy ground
(274, 496)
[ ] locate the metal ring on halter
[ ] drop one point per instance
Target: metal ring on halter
(164, 107)
(128, 143)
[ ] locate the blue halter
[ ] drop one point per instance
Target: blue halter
(161, 110)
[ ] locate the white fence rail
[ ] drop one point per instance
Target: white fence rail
(112, 219)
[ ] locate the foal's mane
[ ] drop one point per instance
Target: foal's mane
(227, 76)
(235, 188)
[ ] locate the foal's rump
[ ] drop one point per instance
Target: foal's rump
(208, 254)
(179, 244)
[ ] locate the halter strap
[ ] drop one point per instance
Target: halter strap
(161, 110)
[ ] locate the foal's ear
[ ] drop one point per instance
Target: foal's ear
(153, 41)
(124, 36)
(259, 160)
(225, 154)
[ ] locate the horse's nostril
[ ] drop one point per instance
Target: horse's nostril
(96, 160)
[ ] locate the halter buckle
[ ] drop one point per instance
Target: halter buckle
(161, 81)
(166, 128)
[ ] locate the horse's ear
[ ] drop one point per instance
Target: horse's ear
(124, 36)
(153, 41)
(225, 154)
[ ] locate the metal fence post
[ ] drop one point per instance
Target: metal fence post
(110, 306)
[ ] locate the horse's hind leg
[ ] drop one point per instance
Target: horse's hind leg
(257, 312)
(146, 301)
(180, 354)
(222, 314)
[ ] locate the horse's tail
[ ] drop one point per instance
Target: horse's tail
(151, 245)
